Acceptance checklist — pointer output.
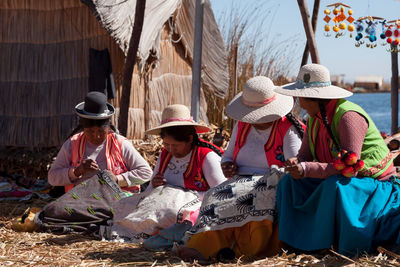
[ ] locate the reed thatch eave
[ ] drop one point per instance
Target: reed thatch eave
(117, 18)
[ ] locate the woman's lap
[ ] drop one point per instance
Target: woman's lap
(355, 214)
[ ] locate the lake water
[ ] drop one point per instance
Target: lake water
(378, 107)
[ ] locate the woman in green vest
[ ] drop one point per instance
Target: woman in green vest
(341, 190)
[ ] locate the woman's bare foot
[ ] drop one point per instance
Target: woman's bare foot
(189, 254)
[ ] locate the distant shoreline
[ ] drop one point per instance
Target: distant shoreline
(371, 92)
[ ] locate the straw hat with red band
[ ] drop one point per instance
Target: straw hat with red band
(259, 103)
(177, 115)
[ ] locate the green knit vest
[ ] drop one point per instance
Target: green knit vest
(374, 152)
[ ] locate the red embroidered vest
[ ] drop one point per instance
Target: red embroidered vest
(193, 176)
(273, 147)
(115, 162)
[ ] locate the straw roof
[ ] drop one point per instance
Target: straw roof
(45, 63)
(44, 68)
(117, 17)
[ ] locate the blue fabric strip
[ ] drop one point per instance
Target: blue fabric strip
(301, 84)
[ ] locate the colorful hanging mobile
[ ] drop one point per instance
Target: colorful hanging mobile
(366, 27)
(339, 17)
(393, 35)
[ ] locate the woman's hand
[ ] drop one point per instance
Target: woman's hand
(158, 180)
(296, 171)
(291, 161)
(87, 165)
(229, 168)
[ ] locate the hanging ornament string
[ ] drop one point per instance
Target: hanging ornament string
(368, 30)
(393, 34)
(366, 27)
(339, 16)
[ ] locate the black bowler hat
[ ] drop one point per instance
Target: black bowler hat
(95, 107)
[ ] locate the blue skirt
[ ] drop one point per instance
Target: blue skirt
(352, 214)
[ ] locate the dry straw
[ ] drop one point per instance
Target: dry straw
(44, 249)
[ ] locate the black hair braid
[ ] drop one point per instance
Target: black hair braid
(296, 124)
(326, 123)
(197, 141)
(113, 128)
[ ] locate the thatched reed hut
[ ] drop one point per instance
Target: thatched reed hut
(44, 70)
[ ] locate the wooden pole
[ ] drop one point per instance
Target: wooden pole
(146, 107)
(197, 53)
(129, 65)
(314, 20)
(395, 91)
(235, 69)
(305, 15)
(235, 77)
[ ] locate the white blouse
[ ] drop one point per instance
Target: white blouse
(177, 166)
(251, 158)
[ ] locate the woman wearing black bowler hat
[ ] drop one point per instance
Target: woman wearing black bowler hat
(95, 147)
(97, 166)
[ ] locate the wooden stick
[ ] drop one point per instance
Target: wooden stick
(394, 92)
(129, 65)
(305, 15)
(372, 18)
(396, 21)
(392, 254)
(338, 4)
(314, 20)
(342, 256)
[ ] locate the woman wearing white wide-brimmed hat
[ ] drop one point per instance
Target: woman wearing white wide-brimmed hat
(186, 168)
(340, 191)
(236, 219)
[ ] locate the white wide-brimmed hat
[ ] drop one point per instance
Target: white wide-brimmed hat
(314, 81)
(177, 115)
(95, 107)
(259, 103)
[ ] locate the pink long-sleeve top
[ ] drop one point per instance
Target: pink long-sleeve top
(138, 172)
(352, 129)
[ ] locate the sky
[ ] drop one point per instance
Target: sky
(340, 55)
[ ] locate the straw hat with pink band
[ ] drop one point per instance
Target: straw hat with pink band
(259, 103)
(177, 115)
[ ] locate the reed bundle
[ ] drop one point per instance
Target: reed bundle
(45, 68)
(45, 63)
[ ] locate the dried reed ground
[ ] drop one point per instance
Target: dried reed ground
(44, 249)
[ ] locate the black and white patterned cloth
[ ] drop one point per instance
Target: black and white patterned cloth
(239, 200)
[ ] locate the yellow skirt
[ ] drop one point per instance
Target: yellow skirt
(258, 238)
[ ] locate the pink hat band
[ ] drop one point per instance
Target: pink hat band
(177, 119)
(258, 104)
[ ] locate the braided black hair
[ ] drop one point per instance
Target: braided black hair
(183, 133)
(208, 145)
(296, 124)
(321, 104)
